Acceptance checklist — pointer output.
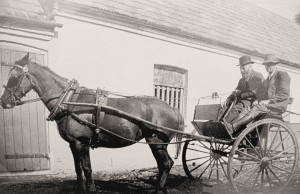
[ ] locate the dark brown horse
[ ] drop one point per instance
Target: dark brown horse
(26, 75)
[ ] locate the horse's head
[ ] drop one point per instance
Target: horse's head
(18, 84)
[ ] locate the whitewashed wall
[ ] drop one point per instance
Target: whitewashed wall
(117, 60)
(99, 56)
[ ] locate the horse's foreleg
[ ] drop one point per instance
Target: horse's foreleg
(81, 154)
(87, 168)
(78, 169)
(163, 159)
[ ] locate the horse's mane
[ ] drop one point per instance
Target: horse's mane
(49, 71)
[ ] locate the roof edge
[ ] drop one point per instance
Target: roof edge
(31, 24)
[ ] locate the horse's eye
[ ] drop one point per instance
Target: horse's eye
(12, 81)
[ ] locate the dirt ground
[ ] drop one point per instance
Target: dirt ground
(136, 181)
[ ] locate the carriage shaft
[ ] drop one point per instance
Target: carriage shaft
(149, 124)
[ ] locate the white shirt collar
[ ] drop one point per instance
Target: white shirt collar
(271, 75)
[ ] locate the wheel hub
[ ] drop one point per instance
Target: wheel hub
(217, 154)
(264, 162)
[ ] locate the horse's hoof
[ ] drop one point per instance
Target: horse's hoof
(160, 191)
(81, 187)
(92, 188)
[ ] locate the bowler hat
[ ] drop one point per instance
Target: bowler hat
(245, 60)
(270, 58)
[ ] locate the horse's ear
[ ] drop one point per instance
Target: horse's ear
(24, 60)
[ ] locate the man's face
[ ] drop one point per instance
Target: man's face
(245, 69)
(270, 67)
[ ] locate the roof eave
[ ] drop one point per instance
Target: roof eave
(12, 21)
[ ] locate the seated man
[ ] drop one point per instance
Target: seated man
(273, 96)
(246, 90)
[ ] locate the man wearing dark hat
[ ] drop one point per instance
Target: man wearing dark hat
(273, 96)
(246, 89)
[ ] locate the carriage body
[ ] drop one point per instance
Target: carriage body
(263, 156)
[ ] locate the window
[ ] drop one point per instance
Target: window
(170, 85)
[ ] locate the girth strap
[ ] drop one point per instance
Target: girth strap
(98, 117)
(101, 99)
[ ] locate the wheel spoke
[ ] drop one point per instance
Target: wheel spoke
(192, 159)
(198, 151)
(256, 178)
(249, 178)
(217, 169)
(222, 166)
(275, 157)
(282, 160)
(246, 164)
(268, 178)
(211, 169)
(281, 169)
(274, 175)
(204, 146)
(259, 140)
(262, 178)
(248, 155)
(199, 165)
(266, 143)
(204, 170)
(272, 143)
(244, 173)
(281, 138)
(281, 142)
(259, 154)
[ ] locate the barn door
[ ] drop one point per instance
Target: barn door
(24, 144)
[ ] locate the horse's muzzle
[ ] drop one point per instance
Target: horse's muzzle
(5, 106)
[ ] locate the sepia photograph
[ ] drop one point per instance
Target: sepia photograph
(150, 96)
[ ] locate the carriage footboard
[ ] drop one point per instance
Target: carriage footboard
(214, 129)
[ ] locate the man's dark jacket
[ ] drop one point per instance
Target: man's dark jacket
(277, 90)
(248, 87)
(251, 83)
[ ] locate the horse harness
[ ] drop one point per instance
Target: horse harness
(71, 94)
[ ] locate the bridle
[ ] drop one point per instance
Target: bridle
(13, 91)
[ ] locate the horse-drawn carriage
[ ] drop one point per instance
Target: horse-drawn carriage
(261, 156)
(87, 118)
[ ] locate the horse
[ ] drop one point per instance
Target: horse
(26, 75)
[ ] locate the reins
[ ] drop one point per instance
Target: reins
(18, 103)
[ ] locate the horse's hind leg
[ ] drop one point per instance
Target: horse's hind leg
(82, 150)
(163, 159)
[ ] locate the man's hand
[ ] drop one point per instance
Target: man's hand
(229, 100)
(264, 102)
(236, 94)
(255, 103)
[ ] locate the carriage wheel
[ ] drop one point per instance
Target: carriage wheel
(266, 153)
(203, 160)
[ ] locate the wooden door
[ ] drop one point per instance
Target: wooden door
(24, 141)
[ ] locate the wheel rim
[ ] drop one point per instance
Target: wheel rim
(202, 160)
(267, 166)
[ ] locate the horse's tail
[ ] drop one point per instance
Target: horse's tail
(178, 136)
